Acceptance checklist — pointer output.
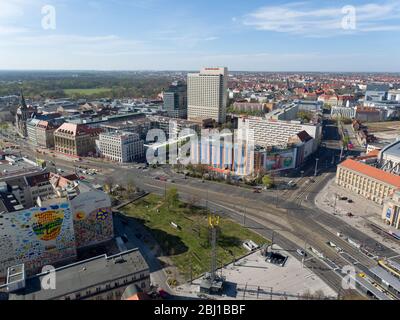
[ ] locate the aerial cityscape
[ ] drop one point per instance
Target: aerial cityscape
(172, 165)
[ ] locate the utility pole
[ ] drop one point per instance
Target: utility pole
(213, 222)
(191, 269)
(207, 199)
(272, 239)
(304, 255)
(316, 167)
(244, 217)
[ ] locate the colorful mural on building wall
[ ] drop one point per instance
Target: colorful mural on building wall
(92, 218)
(36, 237)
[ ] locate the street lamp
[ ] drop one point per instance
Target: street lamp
(316, 167)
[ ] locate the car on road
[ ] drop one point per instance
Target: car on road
(291, 184)
(82, 178)
(301, 252)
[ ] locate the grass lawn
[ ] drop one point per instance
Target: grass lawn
(192, 241)
(86, 92)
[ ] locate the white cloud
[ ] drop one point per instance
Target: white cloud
(12, 13)
(298, 18)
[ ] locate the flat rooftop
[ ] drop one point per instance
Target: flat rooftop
(371, 172)
(393, 149)
(10, 169)
(387, 277)
(85, 274)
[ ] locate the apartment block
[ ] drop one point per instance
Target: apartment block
(277, 133)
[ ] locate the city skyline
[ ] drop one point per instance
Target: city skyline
(276, 36)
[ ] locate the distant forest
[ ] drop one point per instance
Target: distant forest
(109, 84)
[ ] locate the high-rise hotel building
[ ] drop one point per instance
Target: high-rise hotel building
(208, 95)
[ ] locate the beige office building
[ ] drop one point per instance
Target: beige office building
(208, 95)
(372, 183)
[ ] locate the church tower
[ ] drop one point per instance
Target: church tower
(21, 117)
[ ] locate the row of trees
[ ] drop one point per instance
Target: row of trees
(119, 86)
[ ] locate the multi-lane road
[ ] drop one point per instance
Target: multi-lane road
(286, 216)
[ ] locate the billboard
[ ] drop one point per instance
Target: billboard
(36, 237)
(280, 160)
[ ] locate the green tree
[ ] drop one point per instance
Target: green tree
(305, 115)
(172, 197)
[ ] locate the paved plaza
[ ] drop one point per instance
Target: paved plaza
(253, 278)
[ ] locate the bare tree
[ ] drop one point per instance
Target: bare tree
(193, 201)
(109, 184)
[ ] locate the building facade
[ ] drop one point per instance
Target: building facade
(45, 134)
(31, 126)
(376, 92)
(98, 278)
(286, 113)
(121, 146)
(343, 112)
(175, 100)
(277, 133)
(372, 183)
(391, 210)
(207, 95)
(47, 220)
(76, 139)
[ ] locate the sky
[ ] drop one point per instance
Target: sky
(243, 35)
